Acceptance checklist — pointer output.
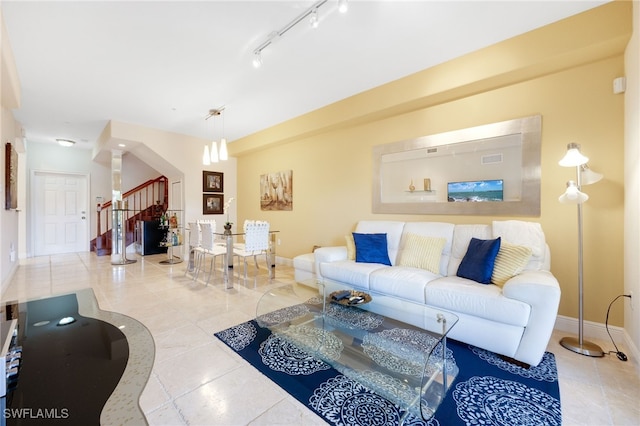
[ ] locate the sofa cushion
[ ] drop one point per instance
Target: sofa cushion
(422, 252)
(458, 294)
(393, 229)
(462, 234)
(403, 282)
(510, 261)
(477, 264)
(304, 267)
(348, 271)
(522, 233)
(371, 248)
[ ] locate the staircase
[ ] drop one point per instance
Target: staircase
(145, 202)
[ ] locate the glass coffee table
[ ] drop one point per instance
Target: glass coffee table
(394, 347)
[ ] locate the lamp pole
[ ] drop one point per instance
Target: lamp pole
(580, 345)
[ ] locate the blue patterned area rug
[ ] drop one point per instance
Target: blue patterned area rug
(486, 391)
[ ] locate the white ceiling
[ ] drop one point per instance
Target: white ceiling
(164, 64)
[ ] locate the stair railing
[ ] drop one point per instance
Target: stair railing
(146, 201)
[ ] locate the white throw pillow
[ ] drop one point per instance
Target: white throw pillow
(422, 252)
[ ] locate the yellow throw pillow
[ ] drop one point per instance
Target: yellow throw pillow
(511, 260)
(422, 252)
(351, 247)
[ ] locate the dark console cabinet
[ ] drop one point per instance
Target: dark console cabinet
(149, 235)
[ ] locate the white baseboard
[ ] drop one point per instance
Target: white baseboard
(284, 261)
(591, 330)
(598, 331)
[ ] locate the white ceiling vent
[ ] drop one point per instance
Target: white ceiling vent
(491, 159)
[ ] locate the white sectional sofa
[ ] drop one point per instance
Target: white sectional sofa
(514, 319)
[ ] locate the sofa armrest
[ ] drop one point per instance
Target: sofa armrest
(541, 291)
(329, 254)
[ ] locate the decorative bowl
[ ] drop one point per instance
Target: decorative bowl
(352, 297)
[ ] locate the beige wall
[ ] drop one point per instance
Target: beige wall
(10, 129)
(567, 81)
(632, 186)
(178, 157)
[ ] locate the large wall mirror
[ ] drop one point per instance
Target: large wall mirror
(492, 169)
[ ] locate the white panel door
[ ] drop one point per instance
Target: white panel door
(60, 213)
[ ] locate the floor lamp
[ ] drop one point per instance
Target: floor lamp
(573, 195)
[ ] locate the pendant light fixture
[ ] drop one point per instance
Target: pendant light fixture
(206, 158)
(214, 152)
(224, 155)
(211, 155)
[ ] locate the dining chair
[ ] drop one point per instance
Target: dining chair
(210, 247)
(238, 245)
(195, 250)
(256, 242)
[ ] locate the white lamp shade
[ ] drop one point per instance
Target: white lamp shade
(573, 157)
(214, 152)
(206, 158)
(573, 195)
(588, 176)
(224, 155)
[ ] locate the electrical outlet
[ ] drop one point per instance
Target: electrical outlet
(631, 299)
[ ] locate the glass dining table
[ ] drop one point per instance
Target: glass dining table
(228, 238)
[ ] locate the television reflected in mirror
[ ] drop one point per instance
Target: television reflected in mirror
(508, 150)
(475, 191)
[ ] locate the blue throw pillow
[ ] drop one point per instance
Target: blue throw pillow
(477, 263)
(371, 248)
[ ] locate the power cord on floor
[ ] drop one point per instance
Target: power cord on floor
(621, 355)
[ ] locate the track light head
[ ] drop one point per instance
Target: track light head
(313, 20)
(257, 59)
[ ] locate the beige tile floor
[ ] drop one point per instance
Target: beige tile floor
(197, 380)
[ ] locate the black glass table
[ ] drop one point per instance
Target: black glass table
(80, 364)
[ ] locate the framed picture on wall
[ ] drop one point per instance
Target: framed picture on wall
(212, 203)
(276, 191)
(212, 181)
(10, 177)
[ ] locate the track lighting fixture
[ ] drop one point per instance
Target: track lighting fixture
(311, 13)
